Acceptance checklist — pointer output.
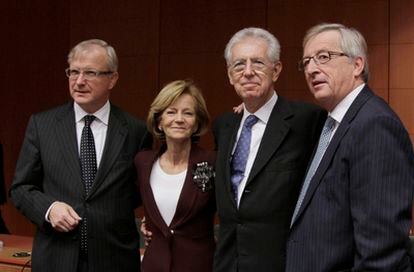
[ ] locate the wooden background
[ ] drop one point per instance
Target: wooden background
(158, 41)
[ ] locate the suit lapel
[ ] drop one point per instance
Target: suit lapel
(360, 100)
(116, 135)
(276, 130)
(65, 132)
(147, 193)
(189, 192)
(229, 135)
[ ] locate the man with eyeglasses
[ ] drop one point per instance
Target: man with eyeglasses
(262, 157)
(354, 209)
(75, 175)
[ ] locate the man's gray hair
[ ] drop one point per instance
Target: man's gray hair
(88, 45)
(273, 50)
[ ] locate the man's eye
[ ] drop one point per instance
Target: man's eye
(90, 73)
(74, 72)
(305, 62)
(239, 65)
(258, 64)
(323, 56)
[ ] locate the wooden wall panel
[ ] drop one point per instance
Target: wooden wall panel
(401, 65)
(289, 21)
(33, 63)
(402, 21)
(132, 28)
(402, 101)
(137, 84)
(402, 60)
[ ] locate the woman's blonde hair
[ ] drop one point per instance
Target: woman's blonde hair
(167, 96)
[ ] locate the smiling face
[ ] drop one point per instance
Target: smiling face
(252, 73)
(178, 121)
(91, 94)
(332, 81)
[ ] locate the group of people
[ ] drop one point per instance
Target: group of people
(296, 187)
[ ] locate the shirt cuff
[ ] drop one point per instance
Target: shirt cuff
(48, 211)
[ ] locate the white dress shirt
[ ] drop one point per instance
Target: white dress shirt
(340, 110)
(99, 128)
(258, 130)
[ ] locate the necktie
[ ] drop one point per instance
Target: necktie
(322, 146)
(241, 153)
(88, 168)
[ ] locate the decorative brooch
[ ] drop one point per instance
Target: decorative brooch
(203, 176)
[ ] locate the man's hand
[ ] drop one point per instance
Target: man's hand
(239, 108)
(63, 217)
(146, 233)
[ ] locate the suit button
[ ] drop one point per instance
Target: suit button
(172, 231)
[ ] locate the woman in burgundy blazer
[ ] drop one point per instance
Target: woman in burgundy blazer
(182, 238)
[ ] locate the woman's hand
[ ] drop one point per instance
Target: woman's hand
(145, 232)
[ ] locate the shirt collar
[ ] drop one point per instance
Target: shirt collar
(340, 110)
(263, 113)
(102, 114)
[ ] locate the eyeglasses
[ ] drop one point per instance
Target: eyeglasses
(258, 65)
(319, 58)
(87, 74)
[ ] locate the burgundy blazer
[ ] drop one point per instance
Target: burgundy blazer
(188, 243)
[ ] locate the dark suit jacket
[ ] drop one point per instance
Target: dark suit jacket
(357, 211)
(48, 170)
(187, 245)
(252, 238)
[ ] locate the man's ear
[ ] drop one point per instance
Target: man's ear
(114, 79)
(359, 65)
(230, 76)
(276, 71)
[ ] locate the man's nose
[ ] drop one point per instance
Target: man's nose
(311, 67)
(80, 79)
(248, 70)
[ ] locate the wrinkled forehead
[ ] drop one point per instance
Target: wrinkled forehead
(324, 41)
(250, 47)
(90, 55)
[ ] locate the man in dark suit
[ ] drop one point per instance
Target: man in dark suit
(255, 202)
(75, 175)
(354, 210)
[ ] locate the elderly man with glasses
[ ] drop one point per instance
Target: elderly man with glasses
(75, 175)
(354, 209)
(262, 157)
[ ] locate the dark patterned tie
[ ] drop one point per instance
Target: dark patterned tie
(241, 153)
(88, 168)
